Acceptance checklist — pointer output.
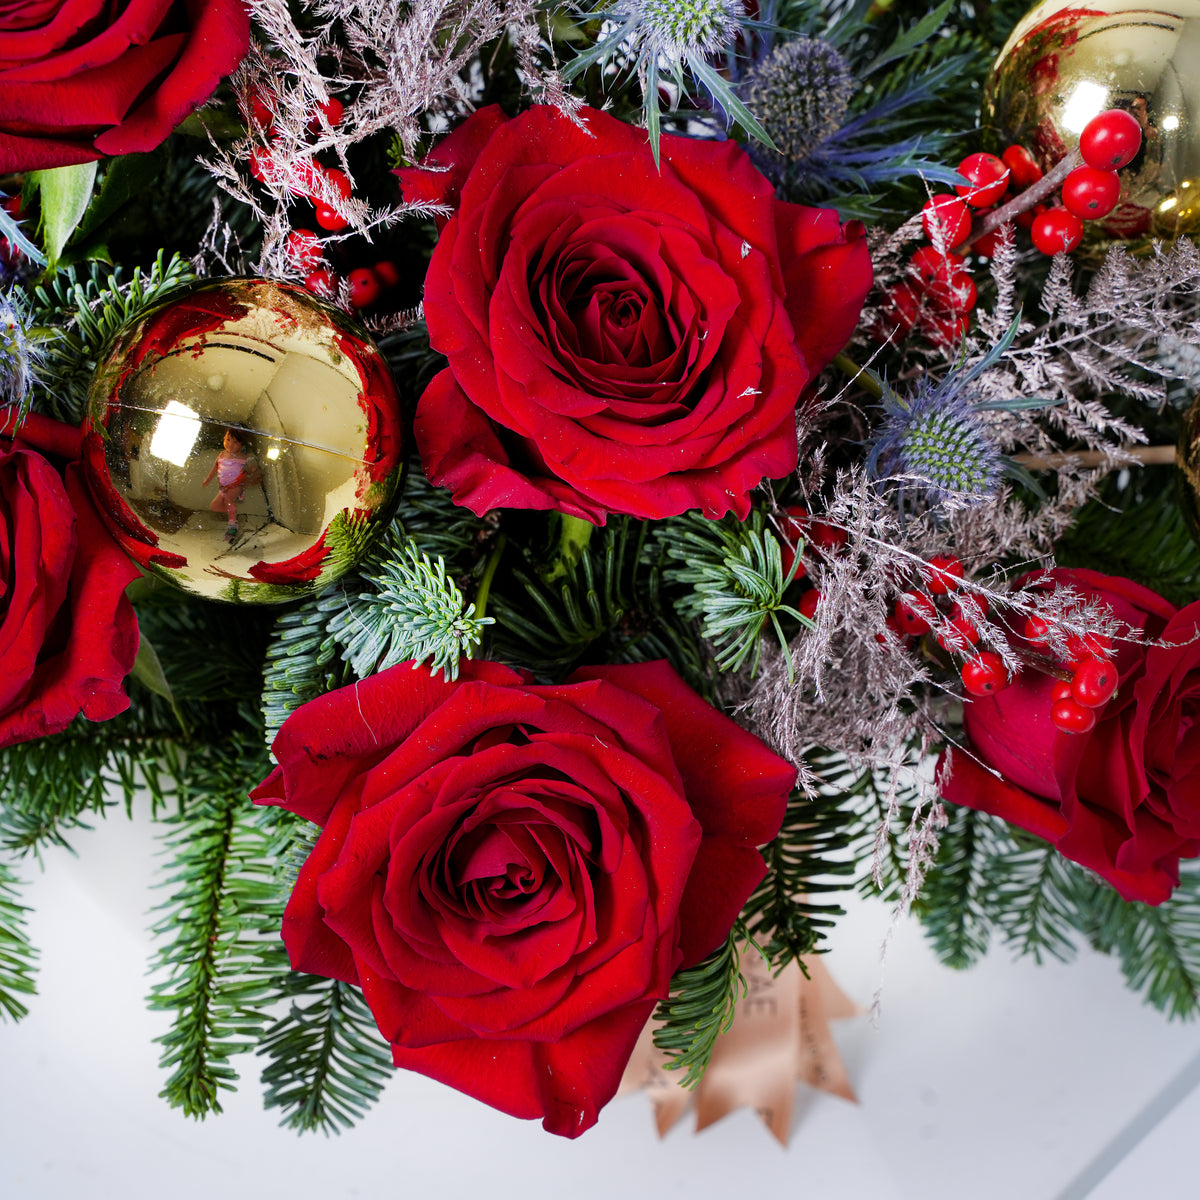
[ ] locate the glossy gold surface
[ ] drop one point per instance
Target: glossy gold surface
(314, 419)
(1064, 63)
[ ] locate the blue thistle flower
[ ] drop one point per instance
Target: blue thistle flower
(801, 93)
(934, 442)
(16, 360)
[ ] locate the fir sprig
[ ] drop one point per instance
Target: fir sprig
(732, 579)
(409, 611)
(219, 927)
(78, 315)
(701, 1007)
(18, 958)
(327, 1061)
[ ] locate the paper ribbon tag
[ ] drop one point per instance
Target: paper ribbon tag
(780, 1034)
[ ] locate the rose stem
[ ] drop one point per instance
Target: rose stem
(485, 583)
(853, 371)
(1145, 456)
(1023, 201)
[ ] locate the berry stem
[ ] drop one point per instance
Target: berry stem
(1023, 201)
(854, 372)
(1144, 456)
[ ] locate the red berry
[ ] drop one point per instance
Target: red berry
(1091, 194)
(1024, 167)
(946, 331)
(1070, 717)
(984, 674)
(1090, 645)
(986, 245)
(1061, 690)
(262, 163)
(914, 613)
(808, 604)
(333, 110)
(933, 270)
(339, 179)
(827, 537)
(1025, 220)
(1094, 682)
(304, 249)
(947, 218)
(962, 294)
(389, 276)
(903, 306)
(1056, 231)
(262, 112)
(322, 281)
(957, 634)
(792, 529)
(1035, 630)
(330, 218)
(364, 287)
(988, 178)
(1111, 140)
(943, 574)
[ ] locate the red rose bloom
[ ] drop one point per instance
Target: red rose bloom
(620, 338)
(80, 80)
(512, 872)
(68, 635)
(1124, 799)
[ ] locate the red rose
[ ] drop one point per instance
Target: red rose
(80, 80)
(513, 872)
(1124, 799)
(68, 635)
(620, 338)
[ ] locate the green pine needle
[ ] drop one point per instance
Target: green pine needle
(18, 958)
(327, 1061)
(701, 1007)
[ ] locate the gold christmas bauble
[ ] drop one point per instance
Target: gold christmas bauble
(243, 441)
(1066, 62)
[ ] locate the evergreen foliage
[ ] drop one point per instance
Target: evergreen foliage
(327, 1061)
(18, 958)
(78, 314)
(952, 905)
(810, 858)
(731, 579)
(219, 926)
(701, 1006)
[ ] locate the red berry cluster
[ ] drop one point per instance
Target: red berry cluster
(9, 254)
(1076, 701)
(797, 527)
(952, 618)
(305, 248)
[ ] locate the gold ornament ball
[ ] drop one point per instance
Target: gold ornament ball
(243, 441)
(1064, 63)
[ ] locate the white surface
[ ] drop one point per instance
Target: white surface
(1006, 1081)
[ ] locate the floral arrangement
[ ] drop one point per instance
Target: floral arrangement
(786, 511)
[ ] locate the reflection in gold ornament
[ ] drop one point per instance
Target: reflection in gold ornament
(243, 441)
(1066, 62)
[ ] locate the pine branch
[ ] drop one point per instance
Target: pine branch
(733, 580)
(953, 906)
(410, 612)
(85, 314)
(302, 660)
(700, 1008)
(224, 907)
(18, 958)
(328, 1063)
(605, 607)
(809, 858)
(1159, 947)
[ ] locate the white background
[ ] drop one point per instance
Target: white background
(1006, 1081)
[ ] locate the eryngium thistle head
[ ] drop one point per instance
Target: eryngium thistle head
(935, 443)
(800, 93)
(16, 367)
(690, 29)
